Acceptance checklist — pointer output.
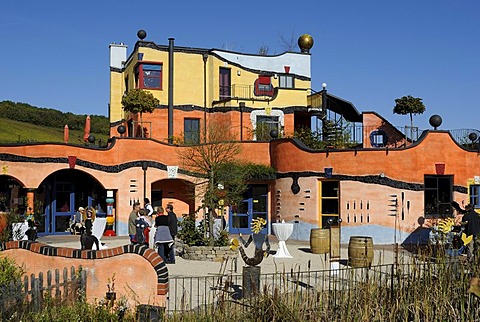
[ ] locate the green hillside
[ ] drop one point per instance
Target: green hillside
(19, 132)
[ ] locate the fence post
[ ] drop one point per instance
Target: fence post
(66, 284)
(392, 270)
(58, 293)
(83, 283)
(36, 293)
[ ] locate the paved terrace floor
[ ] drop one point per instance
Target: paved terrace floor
(302, 260)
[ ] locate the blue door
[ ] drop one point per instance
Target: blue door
(63, 207)
(253, 206)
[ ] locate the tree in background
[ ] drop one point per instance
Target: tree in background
(225, 178)
(23, 112)
(139, 101)
(207, 161)
(409, 105)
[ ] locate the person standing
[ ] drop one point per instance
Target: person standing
(132, 228)
(163, 238)
(148, 207)
(173, 225)
(471, 221)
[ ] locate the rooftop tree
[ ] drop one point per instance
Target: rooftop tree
(409, 105)
(139, 101)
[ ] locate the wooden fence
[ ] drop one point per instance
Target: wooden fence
(30, 293)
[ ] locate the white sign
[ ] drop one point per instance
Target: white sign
(172, 171)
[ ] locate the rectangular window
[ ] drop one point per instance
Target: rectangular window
(329, 203)
(263, 86)
(438, 196)
(285, 81)
(264, 125)
(191, 129)
(149, 76)
(475, 195)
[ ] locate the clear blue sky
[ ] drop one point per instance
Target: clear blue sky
(55, 53)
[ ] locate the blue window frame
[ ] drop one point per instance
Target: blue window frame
(378, 139)
(475, 195)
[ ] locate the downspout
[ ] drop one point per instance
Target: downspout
(241, 106)
(205, 57)
(170, 90)
(324, 111)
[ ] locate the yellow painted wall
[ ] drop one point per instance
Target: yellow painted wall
(189, 82)
(117, 89)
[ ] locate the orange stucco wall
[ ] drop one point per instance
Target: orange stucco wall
(402, 166)
(408, 164)
(136, 272)
(123, 151)
(390, 171)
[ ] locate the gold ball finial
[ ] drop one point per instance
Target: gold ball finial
(305, 42)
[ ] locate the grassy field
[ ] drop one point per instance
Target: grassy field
(20, 132)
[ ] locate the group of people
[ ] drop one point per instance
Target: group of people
(155, 228)
(82, 221)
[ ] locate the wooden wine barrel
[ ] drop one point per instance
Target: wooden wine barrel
(320, 240)
(360, 251)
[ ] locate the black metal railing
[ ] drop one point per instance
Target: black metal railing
(316, 290)
(241, 92)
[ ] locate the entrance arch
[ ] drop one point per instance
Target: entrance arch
(178, 192)
(60, 194)
(13, 195)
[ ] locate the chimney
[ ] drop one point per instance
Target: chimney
(118, 55)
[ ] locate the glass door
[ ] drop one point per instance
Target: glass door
(63, 207)
(253, 206)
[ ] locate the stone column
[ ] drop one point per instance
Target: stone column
(30, 201)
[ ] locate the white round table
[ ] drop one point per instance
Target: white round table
(283, 232)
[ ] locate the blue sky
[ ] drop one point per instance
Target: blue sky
(55, 53)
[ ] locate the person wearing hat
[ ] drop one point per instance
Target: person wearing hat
(77, 221)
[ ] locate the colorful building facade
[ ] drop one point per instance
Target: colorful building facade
(383, 183)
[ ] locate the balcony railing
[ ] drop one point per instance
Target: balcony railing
(237, 91)
(354, 132)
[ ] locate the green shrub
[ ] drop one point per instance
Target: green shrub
(189, 233)
(194, 235)
(9, 271)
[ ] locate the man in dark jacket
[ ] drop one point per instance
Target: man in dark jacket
(173, 225)
(471, 221)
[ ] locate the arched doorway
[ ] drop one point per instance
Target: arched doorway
(61, 193)
(180, 193)
(13, 195)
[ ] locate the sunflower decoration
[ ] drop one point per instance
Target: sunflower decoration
(445, 225)
(234, 243)
(258, 224)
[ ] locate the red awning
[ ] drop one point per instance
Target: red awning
(264, 80)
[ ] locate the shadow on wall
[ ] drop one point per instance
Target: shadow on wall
(301, 230)
(418, 238)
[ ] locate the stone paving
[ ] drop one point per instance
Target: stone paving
(302, 258)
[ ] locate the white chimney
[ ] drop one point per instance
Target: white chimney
(118, 55)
